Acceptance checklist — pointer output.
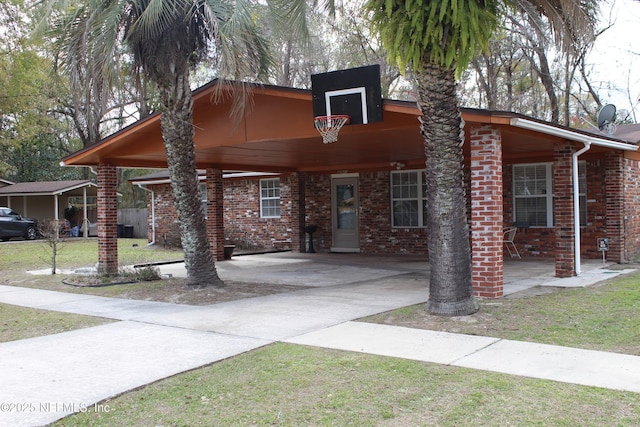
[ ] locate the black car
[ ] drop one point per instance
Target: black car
(14, 225)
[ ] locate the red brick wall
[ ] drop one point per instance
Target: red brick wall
(167, 229)
(215, 213)
(632, 210)
(243, 224)
(596, 209)
(241, 209)
(563, 210)
(486, 214)
(540, 242)
(107, 219)
(376, 233)
(318, 209)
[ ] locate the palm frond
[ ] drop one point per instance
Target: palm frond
(570, 21)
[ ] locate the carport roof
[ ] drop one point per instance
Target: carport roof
(277, 135)
(44, 188)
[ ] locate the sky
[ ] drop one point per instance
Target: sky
(615, 53)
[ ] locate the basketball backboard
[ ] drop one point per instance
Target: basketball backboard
(354, 92)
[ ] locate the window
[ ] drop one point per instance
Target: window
(202, 188)
(582, 185)
(408, 201)
(270, 198)
(533, 194)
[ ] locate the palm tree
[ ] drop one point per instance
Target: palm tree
(436, 40)
(166, 39)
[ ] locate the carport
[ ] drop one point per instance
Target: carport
(277, 135)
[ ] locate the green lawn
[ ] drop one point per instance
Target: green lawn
(288, 385)
(78, 252)
(18, 323)
(601, 317)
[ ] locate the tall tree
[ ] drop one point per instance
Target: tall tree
(436, 40)
(32, 137)
(167, 39)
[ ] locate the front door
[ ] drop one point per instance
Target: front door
(344, 217)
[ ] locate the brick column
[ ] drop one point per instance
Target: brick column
(297, 211)
(615, 196)
(107, 220)
(215, 213)
(486, 213)
(563, 202)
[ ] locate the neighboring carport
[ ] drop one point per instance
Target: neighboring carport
(48, 199)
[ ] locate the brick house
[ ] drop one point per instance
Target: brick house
(364, 192)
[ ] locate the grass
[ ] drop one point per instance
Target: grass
(288, 385)
(17, 323)
(602, 317)
(75, 253)
(16, 259)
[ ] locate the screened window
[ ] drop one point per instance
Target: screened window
(533, 194)
(270, 198)
(408, 201)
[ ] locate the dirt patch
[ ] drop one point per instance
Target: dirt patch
(174, 290)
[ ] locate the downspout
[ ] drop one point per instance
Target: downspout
(153, 214)
(576, 204)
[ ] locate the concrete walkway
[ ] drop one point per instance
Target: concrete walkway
(46, 378)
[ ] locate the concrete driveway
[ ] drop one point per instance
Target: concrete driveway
(330, 269)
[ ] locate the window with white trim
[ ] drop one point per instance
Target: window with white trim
(582, 186)
(202, 188)
(270, 198)
(533, 194)
(408, 201)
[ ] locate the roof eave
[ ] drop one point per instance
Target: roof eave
(570, 134)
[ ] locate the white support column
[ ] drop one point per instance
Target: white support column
(85, 220)
(55, 207)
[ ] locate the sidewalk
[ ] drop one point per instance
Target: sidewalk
(47, 378)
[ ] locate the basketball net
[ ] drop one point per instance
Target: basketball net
(329, 126)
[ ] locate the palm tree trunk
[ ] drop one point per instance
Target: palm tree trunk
(450, 286)
(178, 133)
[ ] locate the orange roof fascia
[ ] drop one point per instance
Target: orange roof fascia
(112, 139)
(469, 115)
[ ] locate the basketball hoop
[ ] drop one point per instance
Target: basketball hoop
(329, 126)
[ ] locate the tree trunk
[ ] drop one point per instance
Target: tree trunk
(450, 287)
(178, 133)
(544, 72)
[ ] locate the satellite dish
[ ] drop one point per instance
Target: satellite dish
(606, 116)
